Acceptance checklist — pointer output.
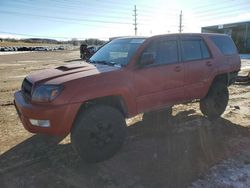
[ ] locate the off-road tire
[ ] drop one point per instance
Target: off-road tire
(98, 133)
(215, 103)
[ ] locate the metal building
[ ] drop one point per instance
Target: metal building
(240, 33)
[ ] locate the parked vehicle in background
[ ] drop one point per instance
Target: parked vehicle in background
(127, 76)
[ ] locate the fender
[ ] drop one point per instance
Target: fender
(123, 92)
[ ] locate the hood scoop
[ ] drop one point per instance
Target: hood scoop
(70, 67)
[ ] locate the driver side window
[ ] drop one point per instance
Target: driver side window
(162, 51)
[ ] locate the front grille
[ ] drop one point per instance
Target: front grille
(26, 88)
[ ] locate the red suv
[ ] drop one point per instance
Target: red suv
(127, 76)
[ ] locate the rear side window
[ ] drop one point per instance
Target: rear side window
(204, 50)
(225, 44)
(194, 49)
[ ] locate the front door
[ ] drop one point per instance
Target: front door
(161, 83)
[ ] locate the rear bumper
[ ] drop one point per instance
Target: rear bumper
(61, 117)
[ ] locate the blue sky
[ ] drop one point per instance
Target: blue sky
(64, 20)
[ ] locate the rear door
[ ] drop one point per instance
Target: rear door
(198, 65)
(161, 83)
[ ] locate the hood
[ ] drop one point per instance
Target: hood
(68, 72)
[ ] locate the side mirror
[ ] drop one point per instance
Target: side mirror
(147, 59)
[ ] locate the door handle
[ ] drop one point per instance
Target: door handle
(177, 69)
(208, 63)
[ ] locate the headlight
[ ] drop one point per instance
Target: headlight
(45, 93)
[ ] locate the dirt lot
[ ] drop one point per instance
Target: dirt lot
(181, 151)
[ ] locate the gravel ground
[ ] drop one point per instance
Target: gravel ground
(232, 172)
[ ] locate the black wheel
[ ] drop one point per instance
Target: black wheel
(98, 133)
(215, 103)
(149, 116)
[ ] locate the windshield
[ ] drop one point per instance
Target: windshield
(117, 52)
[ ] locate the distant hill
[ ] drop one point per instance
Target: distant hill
(75, 42)
(32, 40)
(39, 40)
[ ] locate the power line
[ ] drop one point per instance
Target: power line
(220, 9)
(221, 14)
(103, 25)
(29, 35)
(140, 4)
(83, 9)
(63, 9)
(107, 3)
(144, 14)
(46, 36)
(64, 18)
(210, 4)
(107, 7)
(104, 17)
(59, 5)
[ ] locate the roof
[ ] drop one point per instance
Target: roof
(127, 37)
(172, 34)
(188, 34)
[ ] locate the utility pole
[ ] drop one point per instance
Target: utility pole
(135, 20)
(180, 26)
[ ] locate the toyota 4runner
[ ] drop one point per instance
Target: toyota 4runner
(127, 76)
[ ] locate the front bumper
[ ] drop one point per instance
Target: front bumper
(61, 117)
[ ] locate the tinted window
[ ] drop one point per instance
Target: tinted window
(194, 49)
(191, 50)
(151, 49)
(225, 44)
(164, 51)
(204, 50)
(167, 52)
